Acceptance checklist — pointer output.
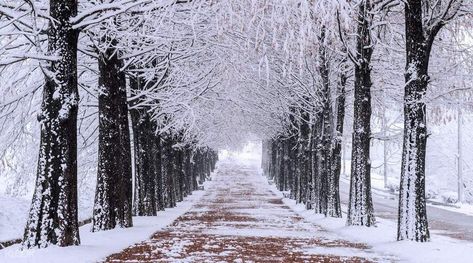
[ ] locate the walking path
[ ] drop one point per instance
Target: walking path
(240, 219)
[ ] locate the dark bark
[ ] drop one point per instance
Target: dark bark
(360, 207)
(272, 167)
(181, 183)
(304, 161)
(53, 214)
(194, 170)
(324, 133)
(334, 209)
(145, 203)
(114, 186)
(156, 157)
(280, 166)
(412, 221)
(187, 169)
(125, 209)
(314, 180)
(167, 159)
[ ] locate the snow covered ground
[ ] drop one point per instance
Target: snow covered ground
(13, 213)
(382, 237)
(380, 240)
(241, 220)
(96, 246)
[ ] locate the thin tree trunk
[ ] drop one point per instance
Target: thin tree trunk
(305, 158)
(168, 171)
(53, 214)
(156, 158)
(325, 133)
(334, 209)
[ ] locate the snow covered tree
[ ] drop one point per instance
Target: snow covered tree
(53, 215)
(423, 21)
(334, 209)
(144, 143)
(360, 207)
(113, 196)
(323, 132)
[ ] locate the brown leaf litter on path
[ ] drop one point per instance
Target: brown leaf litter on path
(240, 220)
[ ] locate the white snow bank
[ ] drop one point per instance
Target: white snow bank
(13, 213)
(382, 238)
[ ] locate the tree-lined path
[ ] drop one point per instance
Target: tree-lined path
(240, 219)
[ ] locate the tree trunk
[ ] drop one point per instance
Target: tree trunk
(125, 210)
(168, 171)
(53, 214)
(360, 207)
(181, 183)
(412, 220)
(314, 181)
(304, 159)
(325, 132)
(113, 192)
(145, 175)
(187, 168)
(156, 157)
(334, 209)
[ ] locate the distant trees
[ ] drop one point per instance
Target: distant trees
(305, 158)
(423, 21)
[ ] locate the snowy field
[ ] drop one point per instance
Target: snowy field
(13, 214)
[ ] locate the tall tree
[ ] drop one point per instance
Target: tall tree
(423, 22)
(145, 143)
(168, 159)
(333, 203)
(114, 179)
(53, 214)
(360, 207)
(323, 129)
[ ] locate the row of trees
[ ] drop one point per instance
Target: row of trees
(168, 165)
(305, 158)
(197, 74)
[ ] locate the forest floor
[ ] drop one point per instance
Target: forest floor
(241, 219)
